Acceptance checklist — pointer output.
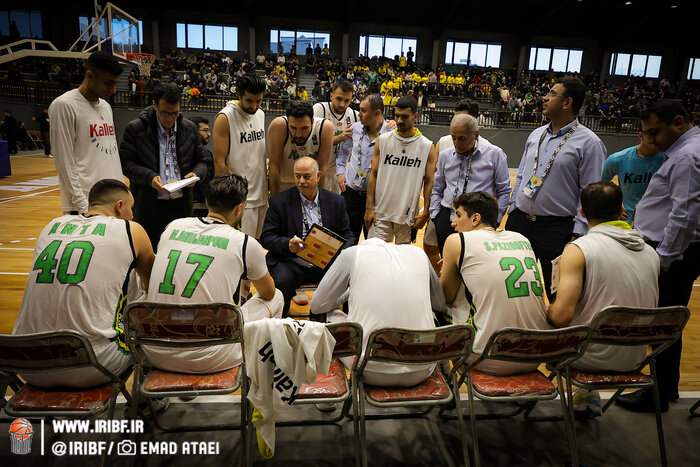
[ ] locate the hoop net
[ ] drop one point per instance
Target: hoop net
(143, 61)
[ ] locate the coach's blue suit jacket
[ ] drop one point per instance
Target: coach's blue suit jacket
(284, 220)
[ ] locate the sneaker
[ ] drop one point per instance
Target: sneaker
(326, 407)
(300, 299)
(187, 398)
(587, 404)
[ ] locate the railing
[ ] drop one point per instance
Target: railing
(44, 94)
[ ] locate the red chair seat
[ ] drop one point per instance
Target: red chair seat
(162, 381)
(326, 386)
(70, 399)
(534, 383)
(433, 388)
(585, 377)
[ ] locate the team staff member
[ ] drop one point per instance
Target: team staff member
(403, 161)
(668, 216)
(159, 147)
(341, 116)
(239, 147)
(560, 159)
(82, 133)
(355, 157)
(80, 278)
(199, 207)
(634, 168)
(289, 218)
(466, 167)
(295, 135)
(229, 256)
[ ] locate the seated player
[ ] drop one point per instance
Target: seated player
(202, 260)
(79, 281)
(290, 216)
(610, 265)
(386, 285)
(502, 283)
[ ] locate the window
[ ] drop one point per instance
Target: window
(28, 23)
(647, 66)
(555, 59)
(206, 36)
(299, 39)
(387, 46)
(485, 54)
(123, 31)
(694, 68)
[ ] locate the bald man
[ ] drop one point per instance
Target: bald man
(290, 216)
(470, 165)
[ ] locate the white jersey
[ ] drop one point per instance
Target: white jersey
(400, 299)
(340, 122)
(246, 155)
(79, 280)
(446, 142)
(504, 286)
(400, 175)
(292, 151)
(620, 270)
(84, 145)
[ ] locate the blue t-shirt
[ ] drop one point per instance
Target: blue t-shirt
(633, 173)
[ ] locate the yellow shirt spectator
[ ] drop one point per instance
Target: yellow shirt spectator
(402, 62)
(387, 98)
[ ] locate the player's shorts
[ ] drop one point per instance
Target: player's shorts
(430, 237)
(390, 231)
(252, 220)
(331, 181)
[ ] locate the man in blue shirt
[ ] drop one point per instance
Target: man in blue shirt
(668, 216)
(634, 168)
(559, 161)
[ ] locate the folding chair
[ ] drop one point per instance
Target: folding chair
(186, 326)
(558, 347)
(415, 346)
(35, 136)
(627, 326)
(55, 351)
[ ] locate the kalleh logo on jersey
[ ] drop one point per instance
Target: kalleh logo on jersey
(103, 129)
(252, 136)
(402, 161)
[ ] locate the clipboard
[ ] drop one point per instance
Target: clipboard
(321, 245)
(179, 184)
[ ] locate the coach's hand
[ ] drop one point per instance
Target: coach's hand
(296, 244)
(341, 182)
(390, 124)
(190, 175)
(157, 183)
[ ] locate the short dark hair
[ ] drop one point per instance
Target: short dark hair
(468, 105)
(107, 191)
(300, 109)
(251, 83)
(481, 202)
(170, 92)
(575, 89)
(601, 201)
(197, 120)
(375, 102)
(666, 110)
(226, 192)
(103, 61)
(407, 102)
(345, 86)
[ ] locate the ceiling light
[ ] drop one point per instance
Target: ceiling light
(628, 3)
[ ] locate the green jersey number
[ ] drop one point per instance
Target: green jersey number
(202, 262)
(47, 261)
(514, 286)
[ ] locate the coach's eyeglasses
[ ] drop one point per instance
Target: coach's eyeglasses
(168, 114)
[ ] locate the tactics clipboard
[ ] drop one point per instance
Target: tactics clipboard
(321, 245)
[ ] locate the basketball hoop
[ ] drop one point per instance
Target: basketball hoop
(143, 61)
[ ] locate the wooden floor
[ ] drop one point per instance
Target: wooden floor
(28, 202)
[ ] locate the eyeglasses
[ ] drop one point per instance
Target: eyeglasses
(205, 130)
(168, 114)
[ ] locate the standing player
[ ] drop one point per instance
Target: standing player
(340, 114)
(82, 133)
(202, 260)
(239, 147)
(79, 281)
(403, 161)
(293, 136)
(634, 168)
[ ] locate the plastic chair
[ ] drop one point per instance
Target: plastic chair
(415, 346)
(557, 347)
(627, 326)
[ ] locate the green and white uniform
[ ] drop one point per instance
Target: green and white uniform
(292, 151)
(340, 122)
